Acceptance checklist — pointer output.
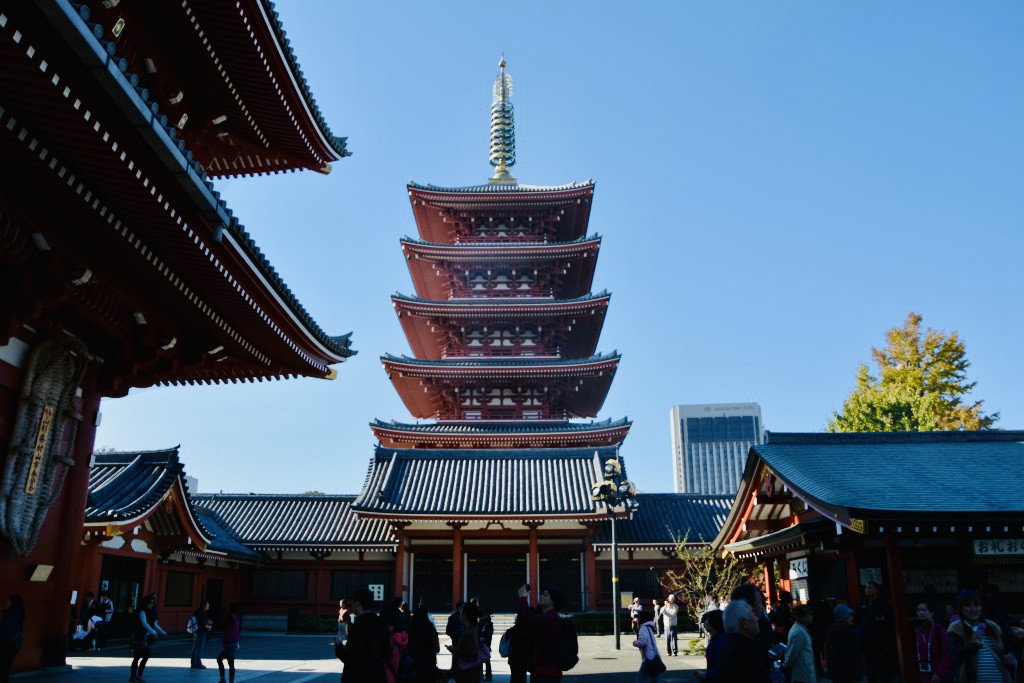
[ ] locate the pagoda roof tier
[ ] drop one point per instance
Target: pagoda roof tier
(511, 434)
(562, 270)
(144, 261)
(227, 77)
(452, 485)
(460, 389)
(439, 211)
(438, 329)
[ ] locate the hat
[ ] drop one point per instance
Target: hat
(967, 595)
(842, 612)
(636, 599)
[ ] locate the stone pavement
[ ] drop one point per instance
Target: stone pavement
(267, 657)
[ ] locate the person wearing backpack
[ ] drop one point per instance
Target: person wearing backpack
(368, 644)
(199, 625)
(486, 629)
(546, 628)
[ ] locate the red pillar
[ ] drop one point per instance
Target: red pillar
(898, 596)
(593, 589)
(456, 565)
(852, 580)
(534, 567)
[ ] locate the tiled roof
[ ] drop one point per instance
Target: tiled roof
(339, 144)
(125, 486)
(206, 195)
(503, 188)
(667, 518)
(274, 521)
(224, 538)
(937, 472)
(441, 484)
(471, 247)
(518, 427)
(500, 362)
(504, 303)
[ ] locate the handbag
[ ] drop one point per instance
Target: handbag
(653, 667)
(483, 653)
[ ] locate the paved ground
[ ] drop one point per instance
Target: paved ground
(310, 659)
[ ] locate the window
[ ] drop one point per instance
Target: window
(279, 584)
(178, 591)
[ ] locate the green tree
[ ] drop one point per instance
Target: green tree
(703, 573)
(921, 386)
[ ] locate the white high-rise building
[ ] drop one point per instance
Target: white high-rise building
(710, 442)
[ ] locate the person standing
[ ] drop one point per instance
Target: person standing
(368, 642)
(878, 634)
(799, 659)
(659, 628)
(647, 640)
(201, 625)
(12, 635)
(423, 643)
(976, 644)
(842, 648)
(670, 615)
(230, 641)
(146, 630)
(486, 629)
(466, 664)
(343, 619)
(106, 610)
(934, 664)
(744, 660)
(713, 626)
(546, 629)
(635, 609)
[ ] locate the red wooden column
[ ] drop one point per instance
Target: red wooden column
(400, 580)
(456, 561)
(853, 581)
(533, 562)
(898, 597)
(593, 589)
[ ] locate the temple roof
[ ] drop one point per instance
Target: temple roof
(298, 522)
(489, 366)
(503, 188)
(90, 142)
(666, 519)
(517, 427)
(225, 540)
(509, 308)
(483, 484)
(502, 251)
(925, 477)
(127, 486)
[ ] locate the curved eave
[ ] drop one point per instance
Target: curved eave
(166, 226)
(491, 251)
(183, 511)
(485, 368)
(411, 437)
(428, 325)
(432, 206)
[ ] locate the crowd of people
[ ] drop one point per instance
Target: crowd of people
(804, 643)
(394, 645)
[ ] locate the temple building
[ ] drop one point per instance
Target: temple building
(493, 489)
(121, 268)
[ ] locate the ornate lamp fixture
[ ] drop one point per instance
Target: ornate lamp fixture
(617, 495)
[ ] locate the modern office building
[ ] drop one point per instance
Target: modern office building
(710, 443)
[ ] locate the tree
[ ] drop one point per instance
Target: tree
(921, 386)
(704, 573)
(314, 492)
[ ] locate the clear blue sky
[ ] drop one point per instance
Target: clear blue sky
(777, 185)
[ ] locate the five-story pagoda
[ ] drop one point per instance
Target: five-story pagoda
(494, 490)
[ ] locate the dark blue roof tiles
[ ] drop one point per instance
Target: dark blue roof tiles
(941, 472)
(124, 486)
(297, 521)
(665, 519)
(224, 538)
(482, 483)
(470, 428)
(504, 303)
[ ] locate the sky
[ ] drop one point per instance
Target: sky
(778, 184)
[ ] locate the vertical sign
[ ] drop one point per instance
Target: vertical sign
(39, 449)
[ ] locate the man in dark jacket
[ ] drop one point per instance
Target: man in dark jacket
(744, 660)
(546, 627)
(368, 644)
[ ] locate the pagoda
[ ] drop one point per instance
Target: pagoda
(505, 370)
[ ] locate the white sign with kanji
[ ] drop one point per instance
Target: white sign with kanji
(999, 546)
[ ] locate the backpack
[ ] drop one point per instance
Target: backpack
(505, 644)
(568, 649)
(192, 626)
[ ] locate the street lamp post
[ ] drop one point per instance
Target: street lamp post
(614, 492)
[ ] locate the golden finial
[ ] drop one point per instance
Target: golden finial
(503, 135)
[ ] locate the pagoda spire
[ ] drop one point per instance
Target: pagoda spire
(503, 132)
